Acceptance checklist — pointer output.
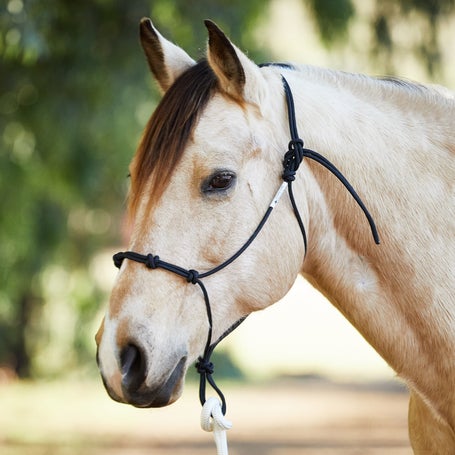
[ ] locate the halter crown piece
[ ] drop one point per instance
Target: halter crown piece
(292, 160)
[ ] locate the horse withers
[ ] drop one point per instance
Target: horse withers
(208, 165)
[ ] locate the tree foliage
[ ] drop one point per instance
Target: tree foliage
(426, 14)
(74, 96)
(66, 130)
(332, 17)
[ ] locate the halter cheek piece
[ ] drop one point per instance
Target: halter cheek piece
(292, 159)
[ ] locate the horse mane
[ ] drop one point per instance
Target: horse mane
(167, 133)
(360, 84)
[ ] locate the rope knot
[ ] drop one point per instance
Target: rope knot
(192, 276)
(212, 419)
(204, 366)
(295, 143)
(151, 261)
(288, 175)
(292, 159)
(118, 259)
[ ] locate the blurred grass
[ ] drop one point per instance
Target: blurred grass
(69, 418)
(288, 417)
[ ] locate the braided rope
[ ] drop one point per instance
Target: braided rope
(213, 420)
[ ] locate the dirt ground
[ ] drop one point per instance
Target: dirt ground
(285, 418)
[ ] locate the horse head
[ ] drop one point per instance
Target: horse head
(209, 163)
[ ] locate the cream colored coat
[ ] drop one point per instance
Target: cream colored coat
(395, 142)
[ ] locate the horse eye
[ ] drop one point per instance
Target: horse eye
(220, 181)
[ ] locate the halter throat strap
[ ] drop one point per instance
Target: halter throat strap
(292, 160)
(296, 153)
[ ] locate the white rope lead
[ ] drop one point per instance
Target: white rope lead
(212, 419)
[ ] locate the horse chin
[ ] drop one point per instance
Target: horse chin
(157, 399)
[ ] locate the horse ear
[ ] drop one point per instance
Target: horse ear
(166, 60)
(237, 75)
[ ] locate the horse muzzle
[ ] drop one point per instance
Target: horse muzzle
(134, 384)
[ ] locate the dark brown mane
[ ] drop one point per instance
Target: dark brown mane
(167, 132)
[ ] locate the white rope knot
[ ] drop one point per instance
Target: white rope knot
(212, 419)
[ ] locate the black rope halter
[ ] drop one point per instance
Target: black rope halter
(292, 160)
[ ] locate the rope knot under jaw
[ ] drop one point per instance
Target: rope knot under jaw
(204, 366)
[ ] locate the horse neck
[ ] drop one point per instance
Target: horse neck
(400, 158)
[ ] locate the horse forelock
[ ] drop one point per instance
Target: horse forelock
(167, 133)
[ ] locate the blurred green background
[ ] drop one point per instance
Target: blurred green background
(75, 94)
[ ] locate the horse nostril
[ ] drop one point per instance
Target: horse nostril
(132, 362)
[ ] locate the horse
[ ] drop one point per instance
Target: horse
(208, 164)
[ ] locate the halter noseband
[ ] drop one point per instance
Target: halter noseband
(292, 159)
